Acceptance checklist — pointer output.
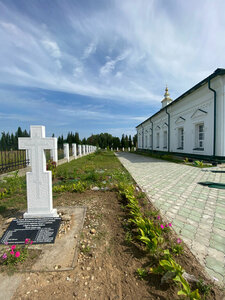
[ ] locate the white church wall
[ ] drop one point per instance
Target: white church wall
(191, 117)
(219, 86)
(223, 116)
(193, 110)
(147, 131)
(139, 137)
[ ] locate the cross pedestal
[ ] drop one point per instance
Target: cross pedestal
(39, 181)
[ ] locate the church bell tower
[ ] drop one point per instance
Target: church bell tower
(167, 100)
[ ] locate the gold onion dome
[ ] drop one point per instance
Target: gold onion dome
(166, 96)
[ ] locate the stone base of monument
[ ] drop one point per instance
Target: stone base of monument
(51, 214)
(62, 255)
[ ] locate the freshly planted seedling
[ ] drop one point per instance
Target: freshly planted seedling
(204, 288)
(142, 273)
(128, 237)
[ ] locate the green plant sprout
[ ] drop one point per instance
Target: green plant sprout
(177, 248)
(199, 163)
(142, 273)
(204, 288)
(74, 187)
(128, 237)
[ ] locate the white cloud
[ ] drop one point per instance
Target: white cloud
(77, 71)
(16, 117)
(89, 114)
(108, 67)
(91, 49)
(119, 74)
(9, 27)
(52, 48)
(111, 63)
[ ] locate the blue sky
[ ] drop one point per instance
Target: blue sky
(97, 66)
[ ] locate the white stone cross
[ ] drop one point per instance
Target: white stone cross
(79, 150)
(54, 154)
(74, 150)
(83, 146)
(66, 151)
(39, 181)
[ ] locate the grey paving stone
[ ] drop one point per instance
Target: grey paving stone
(196, 213)
(202, 239)
(190, 227)
(215, 265)
(187, 210)
(199, 204)
(218, 231)
(219, 225)
(188, 234)
(183, 213)
(218, 238)
(191, 222)
(200, 248)
(220, 220)
(218, 255)
(194, 218)
(220, 210)
(178, 223)
(205, 227)
(216, 245)
(181, 219)
(190, 202)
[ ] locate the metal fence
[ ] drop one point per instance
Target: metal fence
(60, 153)
(13, 160)
(70, 151)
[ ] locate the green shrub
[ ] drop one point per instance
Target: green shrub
(199, 163)
(74, 187)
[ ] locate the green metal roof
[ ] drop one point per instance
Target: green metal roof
(217, 72)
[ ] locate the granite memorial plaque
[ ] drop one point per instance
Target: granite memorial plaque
(39, 230)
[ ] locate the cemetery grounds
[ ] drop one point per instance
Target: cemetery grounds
(112, 262)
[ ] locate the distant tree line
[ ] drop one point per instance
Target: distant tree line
(104, 140)
(71, 138)
(10, 141)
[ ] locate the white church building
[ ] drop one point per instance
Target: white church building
(192, 125)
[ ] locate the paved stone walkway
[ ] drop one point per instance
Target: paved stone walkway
(197, 212)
